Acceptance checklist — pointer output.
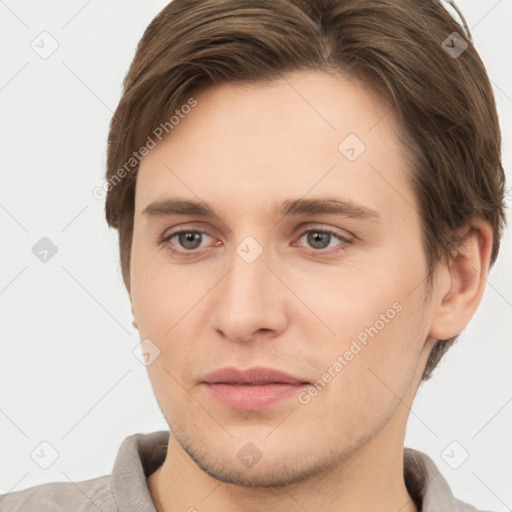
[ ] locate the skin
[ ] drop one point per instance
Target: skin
(297, 306)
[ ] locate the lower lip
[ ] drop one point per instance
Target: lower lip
(252, 398)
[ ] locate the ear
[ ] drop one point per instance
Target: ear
(133, 312)
(460, 282)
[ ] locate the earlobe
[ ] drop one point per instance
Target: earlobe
(133, 314)
(462, 281)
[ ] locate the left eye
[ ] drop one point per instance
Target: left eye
(321, 239)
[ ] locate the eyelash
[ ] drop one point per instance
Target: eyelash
(165, 242)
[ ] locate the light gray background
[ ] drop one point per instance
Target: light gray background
(68, 373)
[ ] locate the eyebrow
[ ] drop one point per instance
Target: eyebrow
(346, 208)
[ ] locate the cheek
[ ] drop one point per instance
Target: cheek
(165, 302)
(163, 295)
(380, 325)
(373, 375)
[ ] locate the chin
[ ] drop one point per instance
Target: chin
(259, 461)
(274, 473)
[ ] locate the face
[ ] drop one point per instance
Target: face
(305, 258)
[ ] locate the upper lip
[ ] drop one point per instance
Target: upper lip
(254, 375)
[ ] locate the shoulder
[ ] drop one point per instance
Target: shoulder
(428, 487)
(88, 495)
(125, 488)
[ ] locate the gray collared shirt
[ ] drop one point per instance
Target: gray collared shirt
(126, 489)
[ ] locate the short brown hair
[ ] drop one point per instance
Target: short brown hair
(405, 50)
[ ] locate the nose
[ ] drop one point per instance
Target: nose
(250, 301)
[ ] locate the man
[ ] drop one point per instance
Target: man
(309, 196)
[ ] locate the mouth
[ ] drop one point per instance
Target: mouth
(252, 389)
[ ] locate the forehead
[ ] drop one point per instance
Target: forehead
(307, 131)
